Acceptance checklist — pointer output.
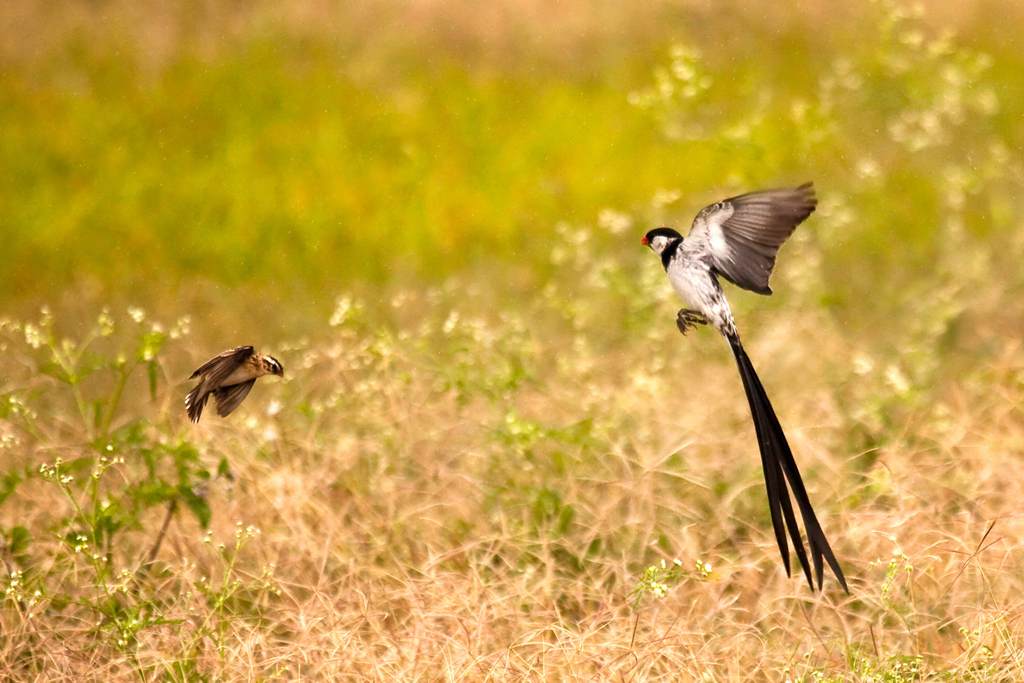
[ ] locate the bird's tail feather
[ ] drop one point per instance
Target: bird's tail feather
(195, 401)
(779, 470)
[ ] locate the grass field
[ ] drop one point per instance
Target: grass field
(493, 457)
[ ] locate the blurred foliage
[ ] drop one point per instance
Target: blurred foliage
(281, 164)
(90, 557)
(275, 165)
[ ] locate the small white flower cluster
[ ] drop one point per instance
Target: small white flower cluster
(899, 561)
(137, 314)
(128, 630)
(15, 585)
(15, 590)
(345, 309)
(246, 532)
(897, 379)
(663, 198)
(615, 222)
(704, 568)
(105, 463)
(125, 578)
(18, 407)
(105, 323)
(182, 327)
(55, 473)
(684, 79)
(450, 323)
(33, 335)
(80, 543)
(659, 579)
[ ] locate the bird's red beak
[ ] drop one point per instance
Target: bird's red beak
(644, 241)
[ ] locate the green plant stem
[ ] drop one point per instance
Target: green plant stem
(82, 409)
(122, 380)
(226, 591)
(70, 365)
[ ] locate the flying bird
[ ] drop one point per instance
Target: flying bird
(737, 239)
(228, 376)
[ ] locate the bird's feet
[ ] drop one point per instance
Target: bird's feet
(687, 318)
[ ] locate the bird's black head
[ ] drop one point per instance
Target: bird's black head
(660, 239)
(274, 366)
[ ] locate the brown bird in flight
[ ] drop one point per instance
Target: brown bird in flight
(228, 376)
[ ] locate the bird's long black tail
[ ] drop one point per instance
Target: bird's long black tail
(779, 469)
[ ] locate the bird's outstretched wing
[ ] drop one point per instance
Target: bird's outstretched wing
(212, 373)
(741, 235)
(228, 398)
(222, 365)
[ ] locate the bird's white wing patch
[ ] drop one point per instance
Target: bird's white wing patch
(741, 235)
(717, 242)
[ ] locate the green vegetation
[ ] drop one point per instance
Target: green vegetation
(492, 455)
(275, 164)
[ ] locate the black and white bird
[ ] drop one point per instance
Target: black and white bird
(228, 377)
(738, 239)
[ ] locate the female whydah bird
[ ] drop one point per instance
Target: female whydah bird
(737, 239)
(228, 377)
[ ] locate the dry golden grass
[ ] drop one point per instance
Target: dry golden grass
(400, 497)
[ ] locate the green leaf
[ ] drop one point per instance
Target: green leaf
(107, 521)
(8, 484)
(97, 413)
(186, 461)
(18, 540)
(59, 601)
(565, 517)
(152, 343)
(198, 505)
(153, 493)
(224, 469)
(151, 371)
(56, 371)
(76, 537)
(549, 508)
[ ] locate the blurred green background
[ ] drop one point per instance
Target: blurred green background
(155, 152)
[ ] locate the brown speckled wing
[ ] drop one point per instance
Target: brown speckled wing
(223, 364)
(229, 398)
